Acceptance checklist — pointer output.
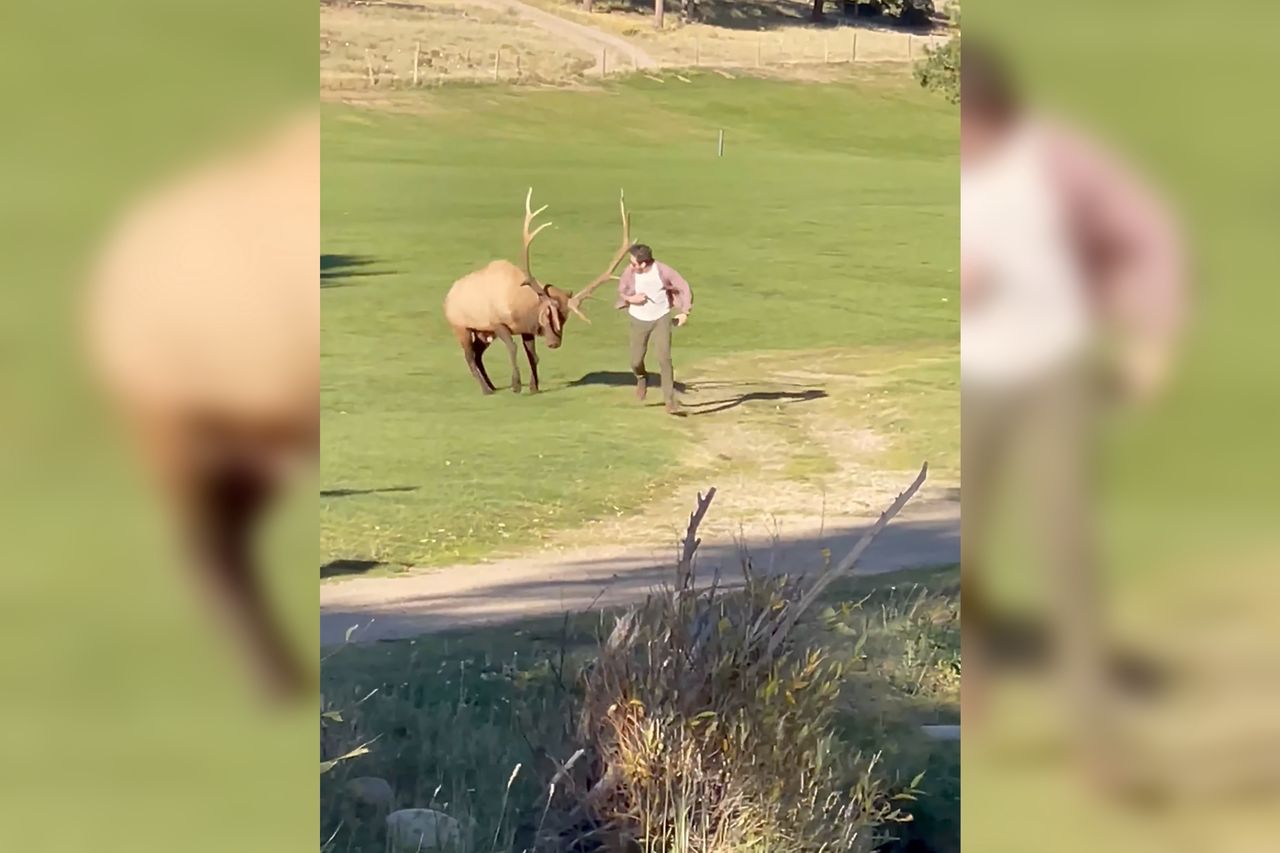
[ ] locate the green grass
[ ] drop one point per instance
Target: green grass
(830, 223)
(454, 714)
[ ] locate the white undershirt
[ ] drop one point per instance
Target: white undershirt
(1033, 313)
(649, 283)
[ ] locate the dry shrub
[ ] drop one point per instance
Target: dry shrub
(711, 726)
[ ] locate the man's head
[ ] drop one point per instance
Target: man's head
(641, 257)
(989, 103)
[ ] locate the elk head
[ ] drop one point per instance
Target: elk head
(555, 304)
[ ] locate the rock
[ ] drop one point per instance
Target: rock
(414, 830)
(371, 791)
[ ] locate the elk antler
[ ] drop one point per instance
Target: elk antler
(582, 295)
(528, 240)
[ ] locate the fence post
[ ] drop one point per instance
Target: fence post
(417, 51)
(910, 46)
(368, 64)
(497, 58)
(697, 51)
(853, 51)
(759, 49)
(604, 59)
(826, 50)
(517, 66)
(720, 145)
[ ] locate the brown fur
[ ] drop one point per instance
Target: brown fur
(204, 319)
(495, 303)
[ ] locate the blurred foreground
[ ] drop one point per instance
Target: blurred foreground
(1122, 683)
(128, 723)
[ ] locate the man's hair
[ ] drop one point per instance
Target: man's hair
(987, 90)
(642, 253)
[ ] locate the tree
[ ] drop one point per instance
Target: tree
(818, 14)
(659, 11)
(939, 71)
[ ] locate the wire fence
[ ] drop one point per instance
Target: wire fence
(391, 66)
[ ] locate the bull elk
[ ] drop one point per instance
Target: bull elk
(204, 324)
(502, 300)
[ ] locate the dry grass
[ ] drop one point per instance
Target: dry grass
(458, 41)
(792, 463)
(711, 722)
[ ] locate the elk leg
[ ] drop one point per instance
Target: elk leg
(472, 347)
(480, 346)
(505, 336)
(530, 350)
(224, 507)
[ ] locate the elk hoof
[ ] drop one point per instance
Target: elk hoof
(533, 389)
(515, 387)
(486, 391)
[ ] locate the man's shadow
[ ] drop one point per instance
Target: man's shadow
(769, 393)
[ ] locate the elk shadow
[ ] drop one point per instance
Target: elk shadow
(712, 407)
(338, 568)
(346, 493)
(335, 270)
(616, 379)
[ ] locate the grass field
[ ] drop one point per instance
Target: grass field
(512, 691)
(822, 245)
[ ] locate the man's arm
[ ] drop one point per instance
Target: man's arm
(684, 294)
(626, 287)
(1131, 249)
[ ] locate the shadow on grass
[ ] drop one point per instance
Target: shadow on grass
(615, 379)
(336, 269)
(712, 407)
(769, 393)
(346, 493)
(338, 568)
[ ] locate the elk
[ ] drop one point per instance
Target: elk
(502, 300)
(203, 319)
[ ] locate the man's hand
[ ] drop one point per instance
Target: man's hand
(637, 299)
(681, 319)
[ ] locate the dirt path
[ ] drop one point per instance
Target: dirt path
(799, 469)
(581, 36)
(925, 534)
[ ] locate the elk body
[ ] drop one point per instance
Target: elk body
(204, 321)
(503, 301)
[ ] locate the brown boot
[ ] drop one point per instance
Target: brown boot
(642, 388)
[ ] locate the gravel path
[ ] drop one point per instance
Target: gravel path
(582, 36)
(507, 591)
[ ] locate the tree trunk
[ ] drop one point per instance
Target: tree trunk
(817, 11)
(586, 5)
(689, 10)
(659, 10)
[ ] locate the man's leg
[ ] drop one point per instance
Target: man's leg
(662, 348)
(640, 332)
(986, 419)
(1061, 489)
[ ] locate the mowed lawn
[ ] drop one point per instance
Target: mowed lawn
(831, 222)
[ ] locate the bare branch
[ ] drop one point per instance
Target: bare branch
(845, 565)
(691, 540)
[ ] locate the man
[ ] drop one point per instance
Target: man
(650, 290)
(1062, 249)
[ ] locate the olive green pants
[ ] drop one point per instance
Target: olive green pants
(657, 332)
